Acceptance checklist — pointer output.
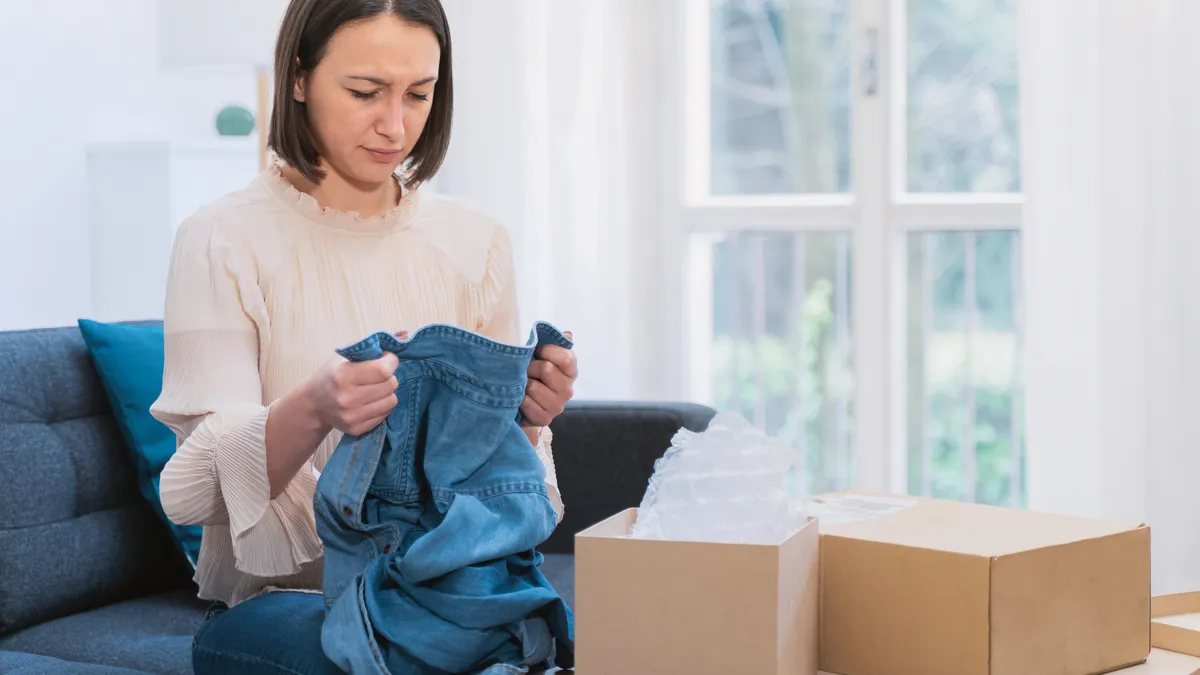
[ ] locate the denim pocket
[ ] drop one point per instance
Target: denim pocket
(465, 430)
(215, 608)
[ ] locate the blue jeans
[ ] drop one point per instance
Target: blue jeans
(430, 521)
(273, 634)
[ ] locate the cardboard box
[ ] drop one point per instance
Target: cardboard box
(1175, 622)
(649, 606)
(919, 586)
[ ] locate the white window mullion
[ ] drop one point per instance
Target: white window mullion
(1017, 402)
(958, 212)
(841, 313)
(799, 294)
(735, 372)
(759, 329)
(926, 244)
(874, 464)
(971, 316)
(793, 214)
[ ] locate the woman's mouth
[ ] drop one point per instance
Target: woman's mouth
(383, 156)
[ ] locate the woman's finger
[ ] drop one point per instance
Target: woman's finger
(563, 359)
(549, 374)
(547, 399)
(368, 425)
(378, 409)
(375, 371)
(370, 393)
(535, 413)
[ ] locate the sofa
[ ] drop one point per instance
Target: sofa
(90, 581)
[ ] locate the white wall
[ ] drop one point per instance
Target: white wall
(77, 72)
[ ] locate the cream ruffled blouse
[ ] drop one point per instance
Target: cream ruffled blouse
(263, 285)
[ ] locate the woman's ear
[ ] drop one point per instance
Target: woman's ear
(298, 85)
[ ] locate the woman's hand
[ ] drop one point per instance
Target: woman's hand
(354, 396)
(350, 397)
(552, 374)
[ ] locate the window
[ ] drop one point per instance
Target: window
(852, 213)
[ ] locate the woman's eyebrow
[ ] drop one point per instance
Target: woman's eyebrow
(383, 83)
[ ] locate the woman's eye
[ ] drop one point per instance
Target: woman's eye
(419, 97)
(363, 95)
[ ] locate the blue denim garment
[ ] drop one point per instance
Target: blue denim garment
(431, 520)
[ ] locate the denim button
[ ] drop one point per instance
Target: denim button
(347, 510)
(387, 548)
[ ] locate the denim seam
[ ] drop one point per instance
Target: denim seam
(396, 535)
(208, 619)
(367, 629)
(410, 484)
(499, 389)
(493, 490)
(471, 337)
(517, 397)
(248, 659)
(346, 476)
(380, 337)
(361, 496)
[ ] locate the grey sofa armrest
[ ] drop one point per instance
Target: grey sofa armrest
(604, 455)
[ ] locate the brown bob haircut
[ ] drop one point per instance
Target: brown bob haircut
(307, 27)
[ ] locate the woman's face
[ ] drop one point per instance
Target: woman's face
(370, 95)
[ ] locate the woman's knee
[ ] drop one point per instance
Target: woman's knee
(274, 633)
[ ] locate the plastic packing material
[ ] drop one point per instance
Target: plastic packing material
(730, 483)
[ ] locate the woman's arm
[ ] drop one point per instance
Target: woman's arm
(212, 399)
(293, 433)
(352, 397)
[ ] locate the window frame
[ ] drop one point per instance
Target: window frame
(879, 214)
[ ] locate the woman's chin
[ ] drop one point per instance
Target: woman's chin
(369, 173)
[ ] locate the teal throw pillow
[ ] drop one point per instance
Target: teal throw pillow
(129, 360)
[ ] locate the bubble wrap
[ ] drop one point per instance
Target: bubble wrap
(730, 483)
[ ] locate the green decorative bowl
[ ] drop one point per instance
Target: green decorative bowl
(235, 120)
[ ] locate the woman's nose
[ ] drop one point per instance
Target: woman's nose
(391, 123)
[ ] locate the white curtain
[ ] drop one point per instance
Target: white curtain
(1111, 166)
(553, 136)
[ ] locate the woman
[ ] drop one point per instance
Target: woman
(334, 241)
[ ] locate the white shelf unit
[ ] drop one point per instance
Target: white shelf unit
(138, 193)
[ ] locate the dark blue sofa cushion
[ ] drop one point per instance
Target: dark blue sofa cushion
(129, 360)
(19, 663)
(75, 533)
(151, 634)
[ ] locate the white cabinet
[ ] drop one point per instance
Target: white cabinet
(138, 193)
